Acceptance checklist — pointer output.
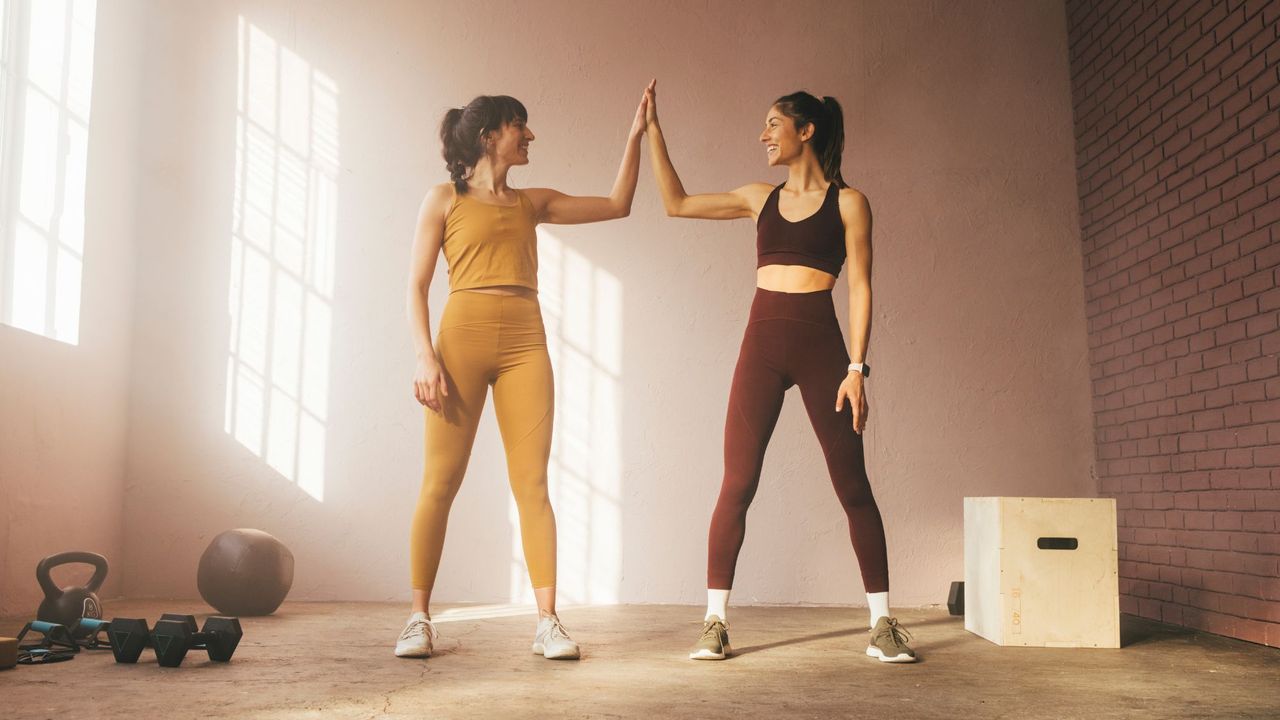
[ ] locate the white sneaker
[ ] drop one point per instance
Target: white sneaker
(553, 641)
(415, 641)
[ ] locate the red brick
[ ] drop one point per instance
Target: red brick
(1243, 542)
(1227, 479)
(1260, 521)
(1268, 411)
(1255, 477)
(1240, 500)
(1262, 324)
(1266, 456)
(1267, 499)
(1262, 368)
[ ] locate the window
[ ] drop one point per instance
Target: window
(44, 139)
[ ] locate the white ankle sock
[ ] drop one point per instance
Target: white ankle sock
(717, 604)
(879, 604)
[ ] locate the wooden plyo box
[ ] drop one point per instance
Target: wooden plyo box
(1041, 572)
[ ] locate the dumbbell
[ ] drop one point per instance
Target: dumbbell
(128, 637)
(172, 637)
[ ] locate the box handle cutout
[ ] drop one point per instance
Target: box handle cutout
(1057, 543)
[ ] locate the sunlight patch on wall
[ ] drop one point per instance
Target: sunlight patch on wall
(582, 311)
(282, 259)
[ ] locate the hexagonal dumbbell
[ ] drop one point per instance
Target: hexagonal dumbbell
(128, 637)
(174, 635)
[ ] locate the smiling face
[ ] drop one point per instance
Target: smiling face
(509, 145)
(782, 142)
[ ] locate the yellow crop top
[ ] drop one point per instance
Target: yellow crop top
(487, 245)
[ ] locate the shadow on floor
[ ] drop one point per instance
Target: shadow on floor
(1136, 630)
(796, 641)
(911, 625)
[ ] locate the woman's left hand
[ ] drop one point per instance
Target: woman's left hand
(852, 390)
(641, 122)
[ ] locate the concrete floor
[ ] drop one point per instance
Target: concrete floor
(333, 660)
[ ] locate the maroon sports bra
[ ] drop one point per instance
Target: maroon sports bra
(816, 241)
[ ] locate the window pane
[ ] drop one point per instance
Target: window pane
(47, 45)
(29, 288)
(80, 68)
(39, 188)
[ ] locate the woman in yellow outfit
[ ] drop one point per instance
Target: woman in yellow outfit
(491, 333)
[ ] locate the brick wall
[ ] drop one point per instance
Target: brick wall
(1177, 118)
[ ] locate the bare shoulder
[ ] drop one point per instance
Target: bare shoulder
(854, 207)
(755, 191)
(754, 194)
(436, 203)
(435, 207)
(539, 197)
(853, 199)
(540, 193)
(440, 195)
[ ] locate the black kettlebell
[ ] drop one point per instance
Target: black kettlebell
(67, 605)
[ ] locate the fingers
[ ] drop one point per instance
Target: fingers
(841, 394)
(441, 392)
(430, 394)
(860, 416)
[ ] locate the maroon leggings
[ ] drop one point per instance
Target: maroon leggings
(792, 339)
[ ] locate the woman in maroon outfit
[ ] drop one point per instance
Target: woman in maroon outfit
(806, 228)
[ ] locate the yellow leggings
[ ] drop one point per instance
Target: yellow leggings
(490, 340)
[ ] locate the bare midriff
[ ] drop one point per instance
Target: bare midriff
(793, 279)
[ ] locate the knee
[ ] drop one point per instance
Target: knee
(733, 501)
(856, 497)
(531, 493)
(437, 490)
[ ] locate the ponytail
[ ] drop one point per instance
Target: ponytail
(462, 129)
(833, 149)
(454, 151)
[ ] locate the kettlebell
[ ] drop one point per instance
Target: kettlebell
(67, 605)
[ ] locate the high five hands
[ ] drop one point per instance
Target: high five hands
(644, 111)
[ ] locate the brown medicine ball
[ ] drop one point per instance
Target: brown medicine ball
(245, 572)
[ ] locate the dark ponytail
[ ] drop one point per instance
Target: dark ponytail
(462, 129)
(828, 128)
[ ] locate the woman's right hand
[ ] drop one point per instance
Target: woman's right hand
(429, 385)
(651, 106)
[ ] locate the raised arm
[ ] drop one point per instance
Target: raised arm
(428, 382)
(743, 202)
(856, 213)
(557, 208)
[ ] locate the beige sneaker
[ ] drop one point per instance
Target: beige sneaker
(889, 642)
(552, 641)
(714, 643)
(415, 640)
